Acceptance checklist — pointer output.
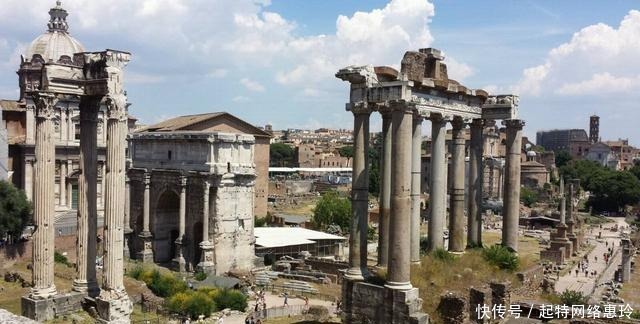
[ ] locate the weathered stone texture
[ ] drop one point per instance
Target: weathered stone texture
(453, 308)
(369, 303)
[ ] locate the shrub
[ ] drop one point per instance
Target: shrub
(136, 272)
(191, 303)
(200, 276)
(572, 297)
(501, 256)
(165, 285)
(442, 255)
(232, 299)
(424, 245)
(59, 258)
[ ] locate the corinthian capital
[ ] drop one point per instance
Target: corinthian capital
(116, 107)
(45, 103)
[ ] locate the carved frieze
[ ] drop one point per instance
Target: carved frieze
(45, 103)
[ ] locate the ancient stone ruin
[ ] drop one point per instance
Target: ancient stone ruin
(420, 90)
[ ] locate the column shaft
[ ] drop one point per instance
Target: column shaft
(400, 225)
(114, 196)
(43, 199)
(127, 219)
(86, 244)
(385, 191)
(511, 216)
(179, 260)
(474, 199)
(359, 195)
(205, 213)
(416, 161)
(146, 254)
(147, 204)
(62, 193)
(456, 217)
(563, 207)
(28, 179)
(437, 183)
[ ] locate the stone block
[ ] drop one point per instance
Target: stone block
(114, 310)
(478, 297)
(46, 309)
(500, 293)
(453, 308)
(368, 303)
(38, 309)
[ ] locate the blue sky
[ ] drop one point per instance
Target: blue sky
(273, 61)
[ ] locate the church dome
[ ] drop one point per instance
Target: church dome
(56, 43)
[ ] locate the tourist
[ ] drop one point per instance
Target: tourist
(221, 319)
(577, 272)
(286, 299)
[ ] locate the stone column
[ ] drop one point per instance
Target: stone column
(359, 194)
(146, 254)
(456, 209)
(385, 189)
(511, 208)
(28, 179)
(437, 182)
(69, 186)
(500, 181)
(113, 302)
(63, 184)
(103, 184)
(399, 242)
(206, 260)
(179, 261)
(43, 198)
(626, 259)
(476, 176)
(86, 244)
(127, 219)
(562, 203)
(416, 163)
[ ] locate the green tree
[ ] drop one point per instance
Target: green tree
(332, 209)
(346, 151)
(562, 158)
(528, 196)
(281, 155)
(612, 190)
(15, 210)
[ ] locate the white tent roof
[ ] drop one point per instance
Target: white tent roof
(285, 169)
(270, 237)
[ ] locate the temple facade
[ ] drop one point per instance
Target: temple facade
(55, 45)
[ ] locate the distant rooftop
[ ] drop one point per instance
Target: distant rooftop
(270, 237)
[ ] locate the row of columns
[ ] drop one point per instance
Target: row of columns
(399, 237)
(44, 204)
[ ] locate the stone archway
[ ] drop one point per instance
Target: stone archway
(166, 226)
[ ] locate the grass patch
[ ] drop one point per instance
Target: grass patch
(442, 255)
(59, 258)
(434, 276)
(502, 257)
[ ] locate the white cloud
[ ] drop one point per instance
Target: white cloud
(598, 59)
(252, 85)
(601, 83)
(240, 99)
(218, 73)
(143, 78)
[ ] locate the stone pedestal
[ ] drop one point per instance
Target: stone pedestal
(114, 307)
(146, 253)
(369, 303)
(46, 309)
(207, 264)
(179, 263)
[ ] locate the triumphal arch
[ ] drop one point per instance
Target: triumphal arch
(421, 90)
(96, 80)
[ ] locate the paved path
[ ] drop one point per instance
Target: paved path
(586, 284)
(276, 301)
